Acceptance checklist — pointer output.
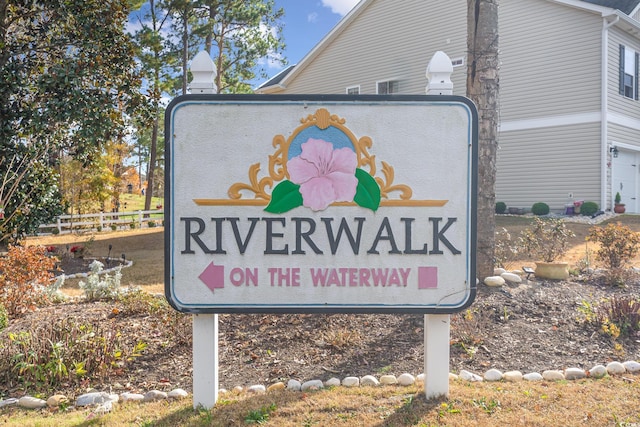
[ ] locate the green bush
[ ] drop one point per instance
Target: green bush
(55, 231)
(540, 208)
(501, 207)
(151, 224)
(589, 208)
(114, 227)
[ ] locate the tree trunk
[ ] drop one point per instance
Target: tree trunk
(482, 89)
(148, 192)
(185, 50)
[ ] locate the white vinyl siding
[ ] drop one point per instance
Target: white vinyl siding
(545, 165)
(547, 70)
(389, 39)
(624, 134)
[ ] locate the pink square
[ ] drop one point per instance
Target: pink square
(427, 277)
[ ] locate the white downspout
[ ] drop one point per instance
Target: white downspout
(604, 97)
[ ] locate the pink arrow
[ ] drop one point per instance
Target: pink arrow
(213, 276)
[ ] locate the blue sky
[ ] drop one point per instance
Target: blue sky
(306, 22)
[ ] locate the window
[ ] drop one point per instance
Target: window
(386, 87)
(353, 90)
(628, 73)
(457, 62)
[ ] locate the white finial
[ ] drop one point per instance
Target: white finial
(204, 71)
(439, 75)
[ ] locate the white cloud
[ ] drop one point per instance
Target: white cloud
(341, 7)
(312, 17)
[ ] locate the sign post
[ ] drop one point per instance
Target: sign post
(320, 204)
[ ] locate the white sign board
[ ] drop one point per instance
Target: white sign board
(320, 203)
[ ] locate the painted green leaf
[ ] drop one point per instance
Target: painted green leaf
(367, 192)
(284, 197)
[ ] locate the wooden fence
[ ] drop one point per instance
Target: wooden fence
(103, 221)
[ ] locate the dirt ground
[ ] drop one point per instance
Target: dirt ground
(533, 326)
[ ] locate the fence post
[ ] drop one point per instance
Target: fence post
(59, 225)
(139, 219)
(437, 327)
(101, 220)
(205, 326)
(439, 73)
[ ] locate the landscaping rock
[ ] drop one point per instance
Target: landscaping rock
(93, 398)
(631, 366)
(469, 376)
(56, 400)
(332, 382)
(134, 397)
(512, 278)
(177, 393)
(513, 376)
(616, 368)
(351, 382)
(553, 375)
(369, 380)
(312, 385)
(388, 379)
(574, 374)
(493, 375)
(276, 387)
(598, 371)
(532, 376)
(257, 389)
(30, 402)
(406, 379)
(153, 395)
(294, 385)
(494, 281)
(8, 402)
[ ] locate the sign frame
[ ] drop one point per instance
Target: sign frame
(319, 101)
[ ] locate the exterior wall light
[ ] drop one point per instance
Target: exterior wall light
(614, 151)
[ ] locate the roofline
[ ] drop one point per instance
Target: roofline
(313, 53)
(270, 89)
(578, 4)
(285, 71)
(624, 21)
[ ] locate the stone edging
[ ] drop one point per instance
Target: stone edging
(102, 402)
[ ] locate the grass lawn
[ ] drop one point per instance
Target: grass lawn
(135, 202)
(605, 402)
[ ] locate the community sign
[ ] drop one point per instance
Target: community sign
(327, 203)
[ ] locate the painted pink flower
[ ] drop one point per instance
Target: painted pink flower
(325, 175)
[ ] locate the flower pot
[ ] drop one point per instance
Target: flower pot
(619, 208)
(552, 270)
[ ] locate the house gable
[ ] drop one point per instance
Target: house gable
(350, 55)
